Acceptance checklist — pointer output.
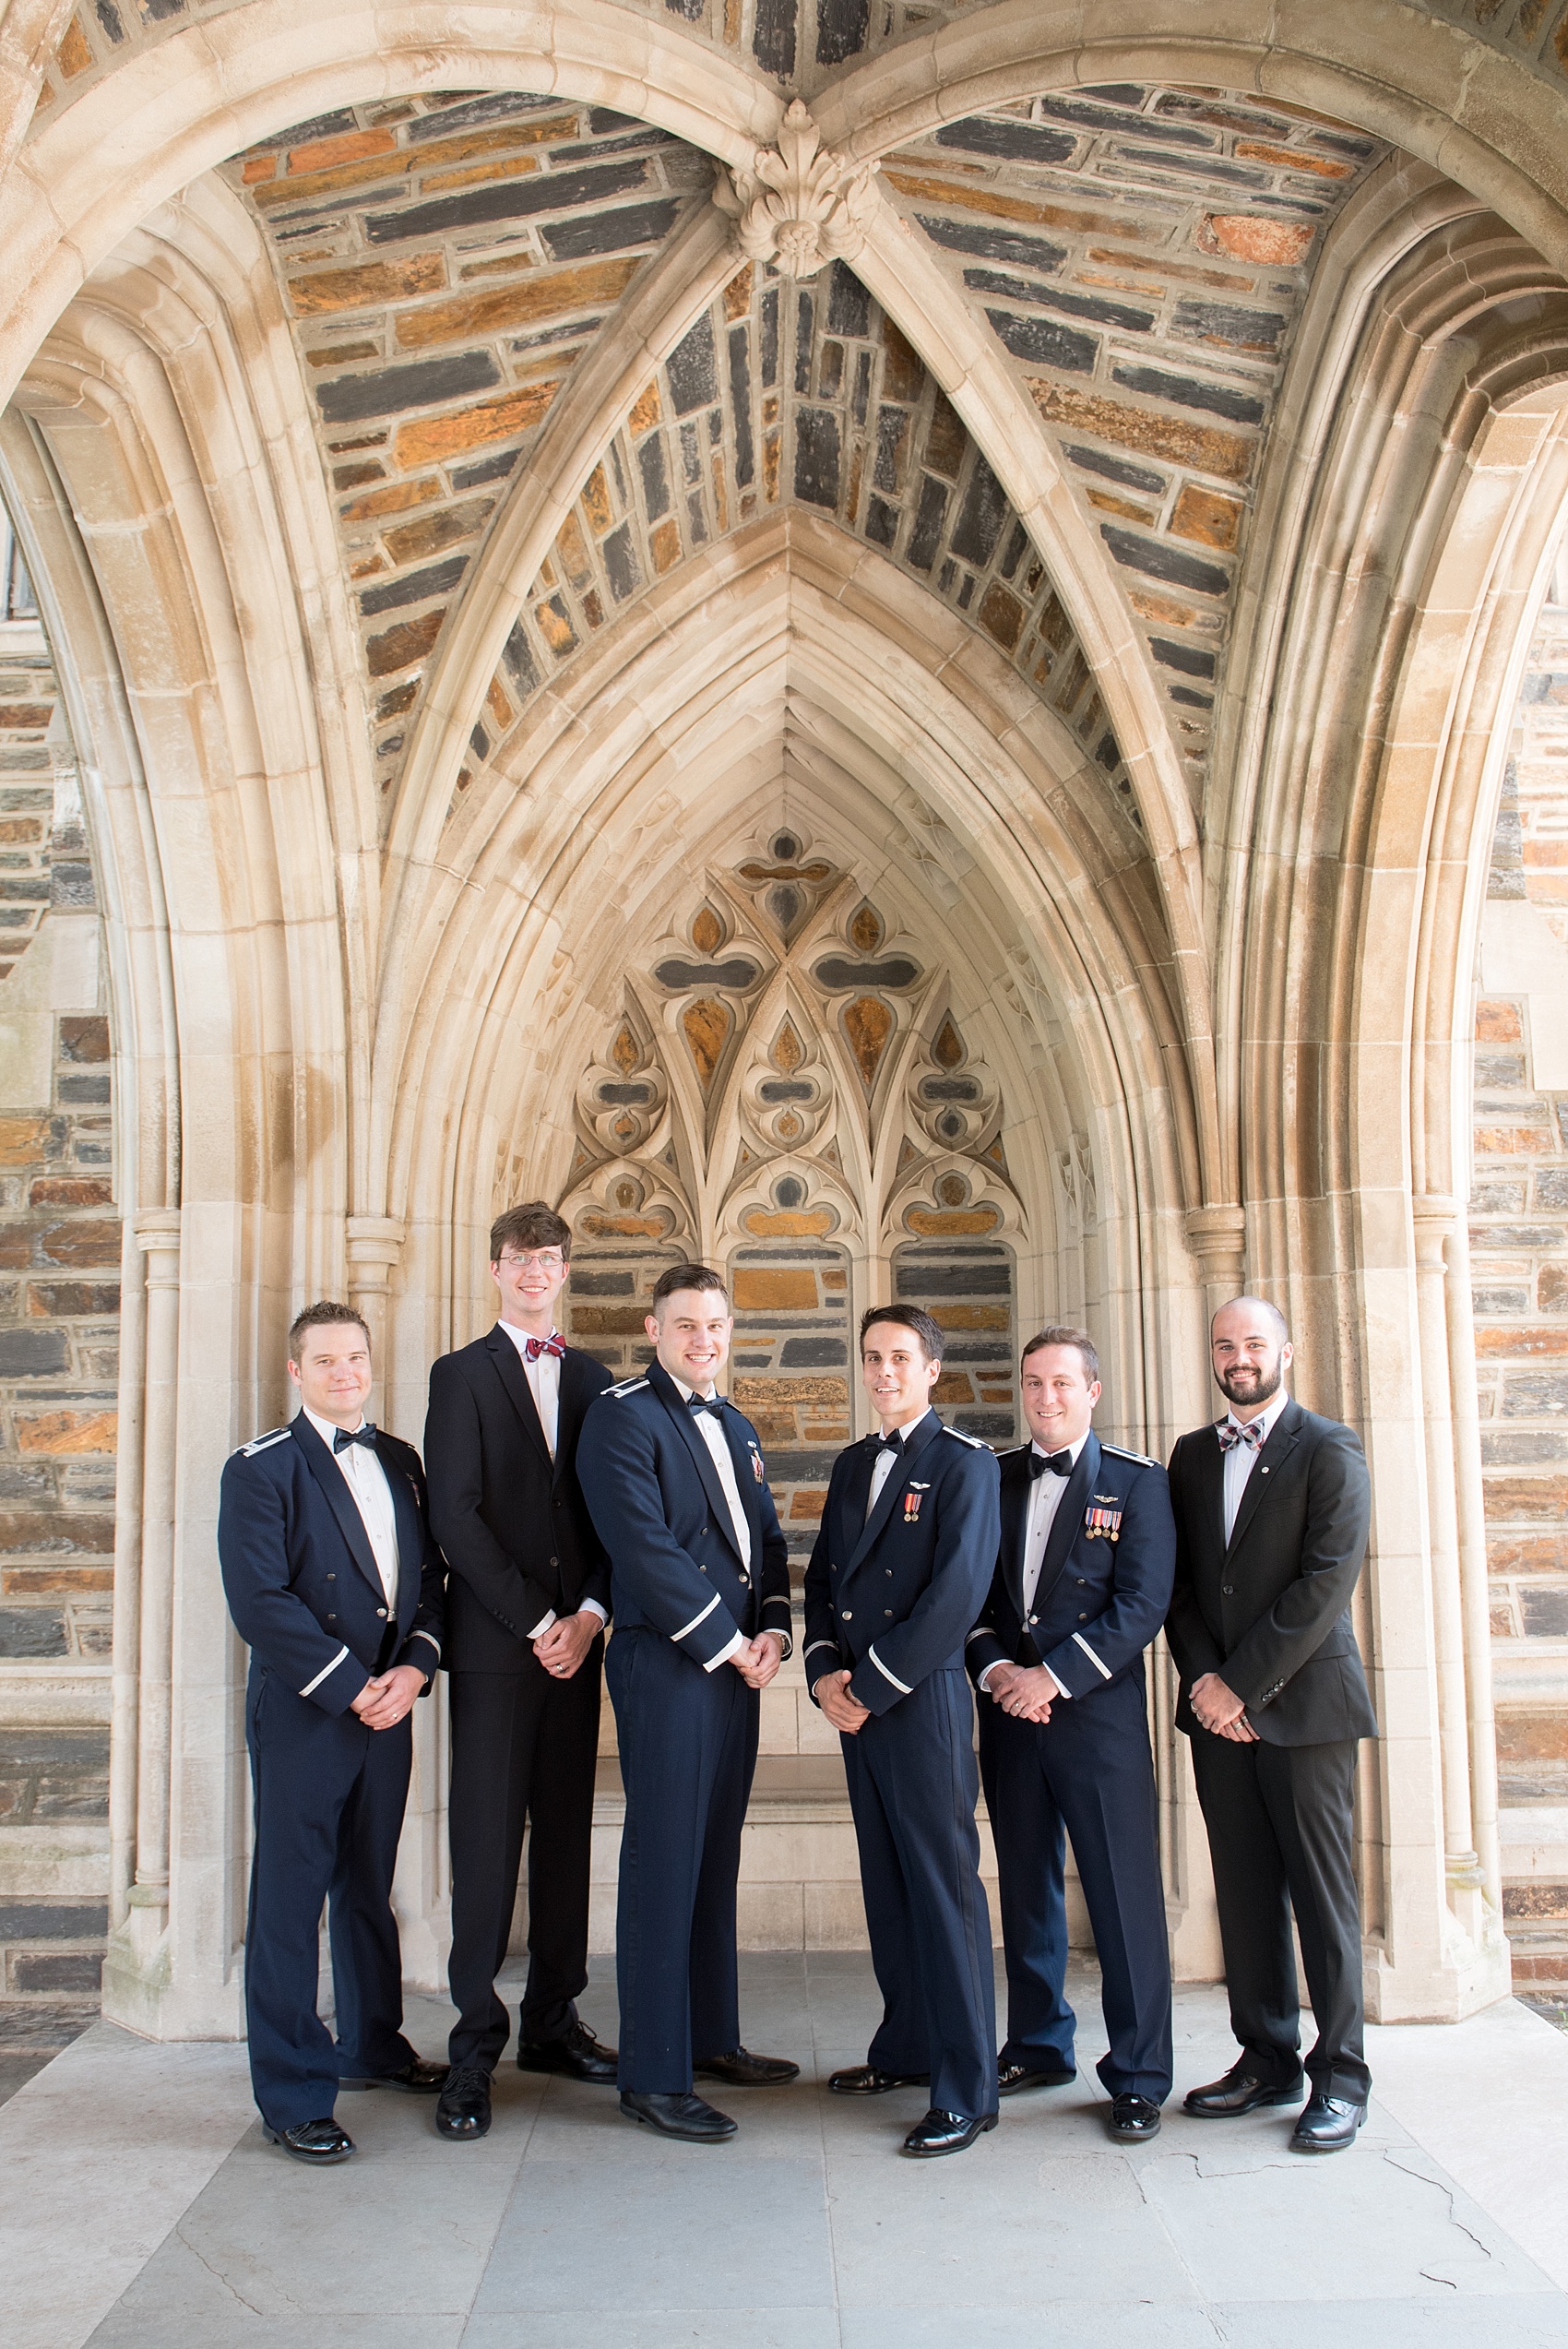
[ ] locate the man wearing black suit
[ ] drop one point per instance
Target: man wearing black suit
(899, 1572)
(1272, 1511)
(699, 1571)
(335, 1585)
(1082, 1585)
(528, 1600)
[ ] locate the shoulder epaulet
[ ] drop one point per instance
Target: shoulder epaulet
(627, 1387)
(262, 1443)
(975, 1443)
(1119, 1451)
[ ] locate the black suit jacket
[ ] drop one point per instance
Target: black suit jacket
(1270, 1609)
(511, 1522)
(301, 1576)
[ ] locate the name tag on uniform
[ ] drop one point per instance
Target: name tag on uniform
(1102, 1519)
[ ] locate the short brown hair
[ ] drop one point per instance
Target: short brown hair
(535, 1225)
(324, 1315)
(1063, 1333)
(906, 1316)
(687, 1276)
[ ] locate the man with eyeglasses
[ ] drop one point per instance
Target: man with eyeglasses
(530, 1598)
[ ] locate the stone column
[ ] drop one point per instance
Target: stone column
(374, 1244)
(1216, 1236)
(137, 1955)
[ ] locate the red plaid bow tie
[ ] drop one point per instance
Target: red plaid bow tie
(556, 1343)
(1230, 1435)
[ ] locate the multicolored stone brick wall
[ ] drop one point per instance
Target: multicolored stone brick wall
(967, 1287)
(800, 43)
(1519, 1251)
(1143, 255)
(446, 261)
(806, 395)
(791, 1369)
(59, 1354)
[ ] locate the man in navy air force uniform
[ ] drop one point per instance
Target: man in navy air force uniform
(700, 1586)
(899, 1572)
(336, 1586)
(1082, 1585)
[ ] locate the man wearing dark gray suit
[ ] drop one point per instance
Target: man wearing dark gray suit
(1272, 1508)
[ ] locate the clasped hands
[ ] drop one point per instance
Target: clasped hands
(757, 1660)
(1220, 1710)
(1027, 1691)
(846, 1713)
(561, 1650)
(382, 1702)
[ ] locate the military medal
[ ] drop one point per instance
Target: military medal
(912, 1505)
(1102, 1524)
(756, 1464)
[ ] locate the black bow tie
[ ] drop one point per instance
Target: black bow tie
(344, 1437)
(1058, 1463)
(894, 1443)
(702, 1403)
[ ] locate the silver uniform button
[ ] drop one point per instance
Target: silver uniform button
(845, 1617)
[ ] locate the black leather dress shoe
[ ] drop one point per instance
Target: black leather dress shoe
(463, 2112)
(1328, 2125)
(417, 2079)
(685, 2116)
(864, 2079)
(741, 2069)
(579, 2055)
(1238, 2092)
(1132, 2120)
(942, 2132)
(1013, 2078)
(319, 2142)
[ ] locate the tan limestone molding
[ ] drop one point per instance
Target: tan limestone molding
(799, 206)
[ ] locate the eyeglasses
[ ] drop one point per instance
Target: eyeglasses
(542, 1260)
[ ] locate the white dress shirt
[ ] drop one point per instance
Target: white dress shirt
(712, 1436)
(543, 1375)
(883, 1464)
(1241, 1459)
(366, 1480)
(1045, 1499)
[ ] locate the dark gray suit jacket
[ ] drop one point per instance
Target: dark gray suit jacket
(1270, 1609)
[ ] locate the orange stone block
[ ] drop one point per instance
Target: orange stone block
(430, 439)
(345, 147)
(808, 1505)
(22, 1139)
(396, 498)
(1293, 159)
(1529, 1500)
(1519, 1342)
(777, 1289)
(376, 283)
(664, 544)
(513, 168)
(1106, 504)
(1278, 244)
(1498, 1023)
(1204, 448)
(1163, 608)
(1208, 517)
(544, 294)
(74, 54)
(645, 410)
(1513, 1141)
(990, 200)
(68, 1431)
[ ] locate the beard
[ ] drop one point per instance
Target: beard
(1243, 1383)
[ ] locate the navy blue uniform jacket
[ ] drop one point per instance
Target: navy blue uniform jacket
(1097, 1603)
(299, 1575)
(891, 1598)
(655, 1497)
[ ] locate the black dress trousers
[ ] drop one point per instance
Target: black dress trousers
(1280, 1822)
(523, 1752)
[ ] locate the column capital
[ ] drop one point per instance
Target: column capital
(1216, 1236)
(157, 1231)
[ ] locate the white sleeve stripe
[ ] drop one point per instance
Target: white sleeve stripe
(1103, 1670)
(697, 1619)
(820, 1643)
(982, 1631)
(429, 1635)
(891, 1678)
(310, 1687)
